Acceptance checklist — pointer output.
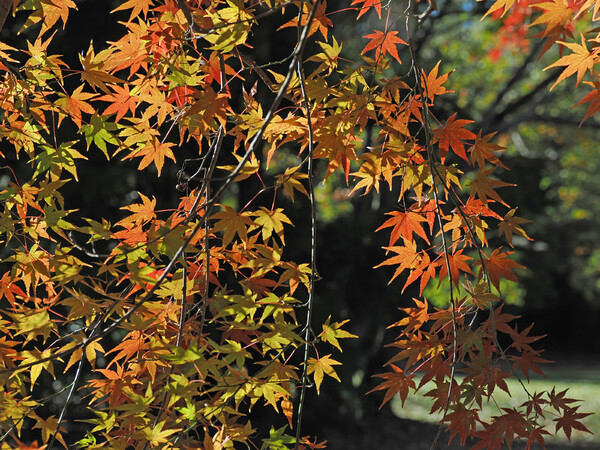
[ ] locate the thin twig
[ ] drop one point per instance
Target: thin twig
(313, 252)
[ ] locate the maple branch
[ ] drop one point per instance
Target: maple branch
(517, 75)
(527, 99)
(313, 249)
(297, 56)
(67, 401)
(429, 146)
(547, 118)
(431, 8)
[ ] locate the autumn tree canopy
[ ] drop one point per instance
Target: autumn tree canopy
(186, 317)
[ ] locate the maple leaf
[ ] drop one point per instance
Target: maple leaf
(479, 294)
(571, 419)
(556, 13)
(141, 212)
(320, 367)
(521, 340)
(49, 427)
(407, 257)
(462, 421)
(121, 101)
(396, 383)
(53, 10)
(99, 131)
(511, 224)
(432, 84)
(483, 186)
(75, 103)
(270, 221)
(527, 361)
(384, 43)
(591, 97)
(233, 223)
(499, 265)
(482, 151)
(249, 168)
(536, 435)
(458, 263)
(404, 225)
(331, 333)
(290, 180)
(503, 5)
(416, 316)
(153, 151)
(155, 434)
(94, 72)
(320, 20)
(329, 57)
(580, 61)
(369, 172)
(54, 159)
(426, 270)
(367, 4)
(451, 136)
(136, 6)
(208, 107)
(558, 400)
(499, 321)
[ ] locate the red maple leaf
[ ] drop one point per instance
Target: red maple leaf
(571, 419)
(558, 400)
(384, 43)
(462, 421)
(528, 361)
(521, 340)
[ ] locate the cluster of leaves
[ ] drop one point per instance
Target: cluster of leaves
(200, 295)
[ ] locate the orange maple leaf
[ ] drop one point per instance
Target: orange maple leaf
(120, 101)
(136, 6)
(368, 4)
(503, 5)
(593, 98)
(407, 257)
(396, 383)
(451, 136)
(432, 84)
(405, 224)
(53, 10)
(482, 187)
(458, 263)
(320, 21)
(557, 13)
(141, 212)
(154, 151)
(75, 104)
(482, 151)
(499, 265)
(384, 43)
